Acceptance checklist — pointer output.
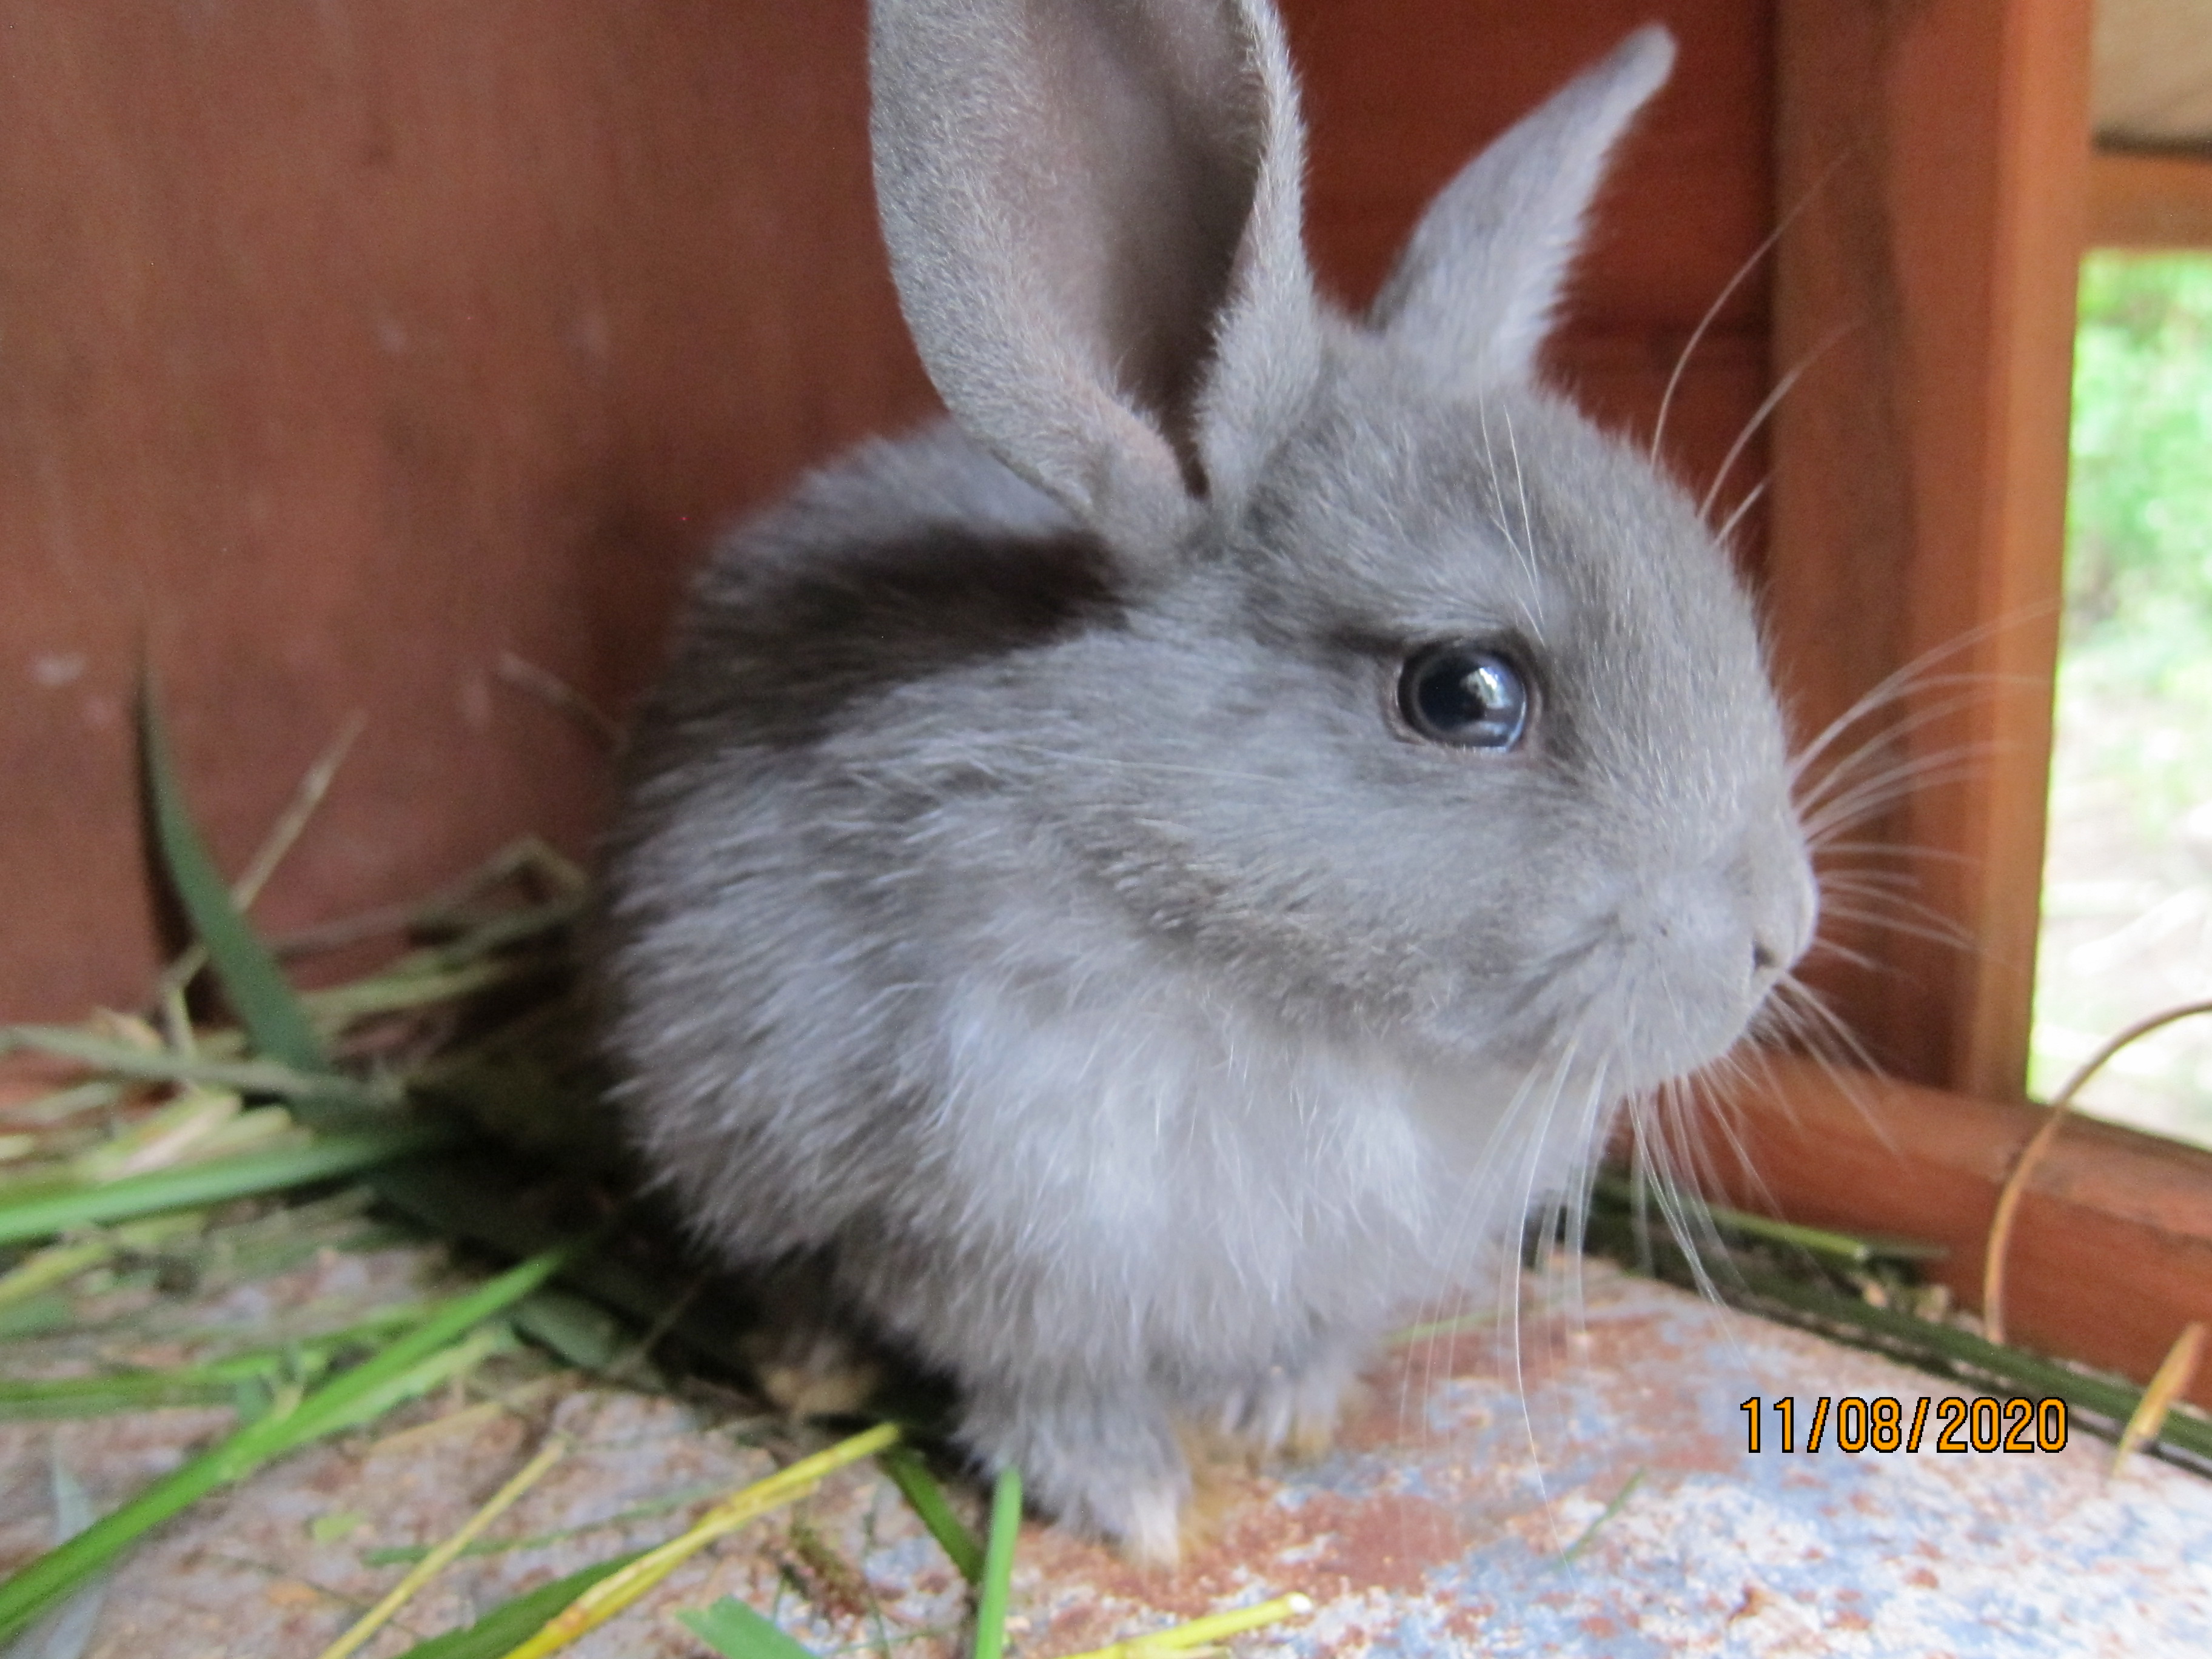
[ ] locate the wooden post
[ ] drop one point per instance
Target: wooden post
(2150, 201)
(1927, 291)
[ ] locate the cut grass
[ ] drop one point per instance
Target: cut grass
(498, 1631)
(287, 1169)
(619, 1589)
(735, 1632)
(920, 1488)
(264, 1003)
(365, 1627)
(996, 1588)
(310, 1091)
(214, 1383)
(1204, 1636)
(428, 1349)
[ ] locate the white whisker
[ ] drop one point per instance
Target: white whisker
(1766, 407)
(1903, 681)
(1734, 518)
(1713, 311)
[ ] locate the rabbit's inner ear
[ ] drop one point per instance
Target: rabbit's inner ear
(1138, 220)
(1068, 193)
(1474, 291)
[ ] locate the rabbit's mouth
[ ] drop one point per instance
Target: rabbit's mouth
(1668, 982)
(1690, 985)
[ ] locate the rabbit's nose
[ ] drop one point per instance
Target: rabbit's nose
(1776, 878)
(1769, 961)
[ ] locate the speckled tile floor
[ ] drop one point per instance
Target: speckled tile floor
(1451, 1519)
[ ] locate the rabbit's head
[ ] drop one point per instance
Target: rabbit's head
(1429, 709)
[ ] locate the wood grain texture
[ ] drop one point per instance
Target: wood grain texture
(1917, 514)
(2112, 1254)
(345, 349)
(2148, 201)
(1399, 95)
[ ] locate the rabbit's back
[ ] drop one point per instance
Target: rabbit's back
(901, 561)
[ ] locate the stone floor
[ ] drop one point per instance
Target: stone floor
(1601, 1502)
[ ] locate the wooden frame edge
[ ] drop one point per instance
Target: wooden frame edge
(1926, 295)
(2111, 1252)
(2148, 200)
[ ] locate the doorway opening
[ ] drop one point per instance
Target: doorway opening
(2127, 893)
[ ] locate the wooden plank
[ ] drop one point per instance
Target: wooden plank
(344, 350)
(1927, 293)
(2112, 1251)
(2145, 200)
(1688, 206)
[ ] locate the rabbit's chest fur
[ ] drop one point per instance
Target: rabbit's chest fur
(1194, 1189)
(1083, 1167)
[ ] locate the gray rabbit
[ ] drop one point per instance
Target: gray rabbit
(1145, 880)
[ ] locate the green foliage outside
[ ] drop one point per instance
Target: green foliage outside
(2128, 925)
(2139, 565)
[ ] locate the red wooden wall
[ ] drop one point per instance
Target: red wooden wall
(344, 349)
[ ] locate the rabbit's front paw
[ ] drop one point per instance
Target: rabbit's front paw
(1289, 1410)
(1105, 1463)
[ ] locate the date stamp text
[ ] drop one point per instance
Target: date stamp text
(1852, 1423)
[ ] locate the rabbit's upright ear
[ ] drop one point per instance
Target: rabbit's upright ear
(1092, 209)
(1472, 293)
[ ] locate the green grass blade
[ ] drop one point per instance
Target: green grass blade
(512, 1623)
(53, 1267)
(213, 1182)
(912, 1477)
(573, 1328)
(412, 1383)
(737, 1631)
(265, 1002)
(95, 1396)
(1619, 1500)
(66, 1633)
(998, 1565)
(337, 1404)
(406, 1555)
(330, 1406)
(51, 1577)
(392, 992)
(49, 1312)
(247, 1077)
(1852, 1249)
(214, 1383)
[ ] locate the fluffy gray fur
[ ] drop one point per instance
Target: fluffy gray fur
(1028, 900)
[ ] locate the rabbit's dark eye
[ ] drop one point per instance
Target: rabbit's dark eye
(1465, 696)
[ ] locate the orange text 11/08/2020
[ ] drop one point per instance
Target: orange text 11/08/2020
(1853, 1423)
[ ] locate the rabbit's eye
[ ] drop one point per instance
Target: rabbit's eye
(1464, 695)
